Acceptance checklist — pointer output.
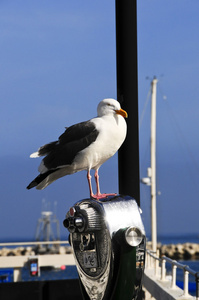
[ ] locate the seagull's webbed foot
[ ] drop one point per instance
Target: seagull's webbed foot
(101, 196)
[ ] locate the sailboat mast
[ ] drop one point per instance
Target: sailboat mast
(153, 165)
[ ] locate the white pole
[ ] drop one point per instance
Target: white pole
(153, 165)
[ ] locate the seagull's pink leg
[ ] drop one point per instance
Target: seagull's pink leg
(89, 184)
(98, 194)
(97, 183)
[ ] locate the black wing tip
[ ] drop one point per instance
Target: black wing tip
(32, 185)
(39, 179)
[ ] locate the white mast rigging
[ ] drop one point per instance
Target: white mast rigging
(151, 179)
(153, 165)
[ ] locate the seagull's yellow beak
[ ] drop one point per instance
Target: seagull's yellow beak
(122, 112)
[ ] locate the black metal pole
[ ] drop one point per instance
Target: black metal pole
(127, 95)
(197, 284)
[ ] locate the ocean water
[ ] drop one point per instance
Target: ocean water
(69, 272)
(178, 239)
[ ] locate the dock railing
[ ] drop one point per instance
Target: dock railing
(159, 264)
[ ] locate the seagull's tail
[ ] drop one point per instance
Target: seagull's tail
(44, 150)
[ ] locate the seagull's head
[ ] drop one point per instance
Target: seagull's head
(110, 107)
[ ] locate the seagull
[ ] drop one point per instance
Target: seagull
(83, 146)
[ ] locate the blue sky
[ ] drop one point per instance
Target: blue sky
(58, 61)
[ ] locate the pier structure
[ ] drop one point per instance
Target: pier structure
(17, 262)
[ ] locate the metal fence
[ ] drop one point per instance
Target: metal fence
(160, 265)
